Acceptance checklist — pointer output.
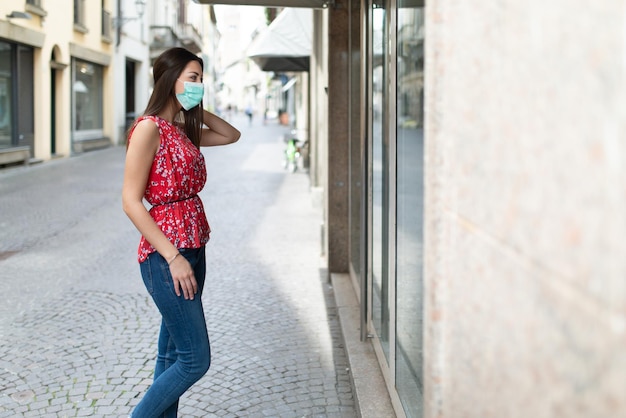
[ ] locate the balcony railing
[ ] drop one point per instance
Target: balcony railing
(191, 38)
(161, 38)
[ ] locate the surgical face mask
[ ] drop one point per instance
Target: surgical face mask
(191, 96)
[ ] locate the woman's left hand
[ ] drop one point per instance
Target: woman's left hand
(183, 277)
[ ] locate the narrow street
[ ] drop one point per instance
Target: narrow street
(78, 330)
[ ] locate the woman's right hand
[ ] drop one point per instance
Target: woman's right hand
(183, 277)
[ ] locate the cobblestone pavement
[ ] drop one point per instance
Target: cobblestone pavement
(78, 330)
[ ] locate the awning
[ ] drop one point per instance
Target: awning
(311, 4)
(285, 45)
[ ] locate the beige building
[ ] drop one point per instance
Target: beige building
(57, 60)
(74, 73)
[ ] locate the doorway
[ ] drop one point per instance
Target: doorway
(130, 110)
(53, 113)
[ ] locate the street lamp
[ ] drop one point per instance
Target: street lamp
(140, 6)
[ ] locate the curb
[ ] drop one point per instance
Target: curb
(370, 392)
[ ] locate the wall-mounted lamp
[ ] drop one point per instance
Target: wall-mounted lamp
(19, 15)
(140, 6)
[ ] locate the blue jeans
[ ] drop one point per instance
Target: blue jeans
(184, 354)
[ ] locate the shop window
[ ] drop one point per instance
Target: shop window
(396, 135)
(380, 178)
(87, 99)
(6, 117)
(409, 204)
(16, 109)
(356, 148)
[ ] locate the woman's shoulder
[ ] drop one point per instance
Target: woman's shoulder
(147, 125)
(145, 129)
(148, 120)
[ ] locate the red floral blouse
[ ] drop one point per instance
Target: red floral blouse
(177, 175)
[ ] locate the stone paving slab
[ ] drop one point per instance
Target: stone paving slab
(78, 331)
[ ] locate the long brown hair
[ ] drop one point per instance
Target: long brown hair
(166, 69)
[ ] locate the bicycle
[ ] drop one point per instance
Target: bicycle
(295, 150)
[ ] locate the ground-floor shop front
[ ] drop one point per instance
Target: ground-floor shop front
(65, 116)
(456, 160)
(386, 209)
(374, 179)
(16, 102)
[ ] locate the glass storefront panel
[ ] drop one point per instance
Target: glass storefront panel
(5, 95)
(17, 123)
(380, 178)
(26, 99)
(87, 92)
(410, 205)
(356, 145)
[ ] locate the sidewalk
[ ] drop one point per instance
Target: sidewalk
(78, 329)
(287, 346)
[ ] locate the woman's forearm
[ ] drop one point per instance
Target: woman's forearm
(220, 132)
(144, 223)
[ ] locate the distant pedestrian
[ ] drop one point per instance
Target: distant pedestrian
(249, 114)
(164, 165)
(229, 112)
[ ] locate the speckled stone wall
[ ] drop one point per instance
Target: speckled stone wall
(525, 263)
(337, 205)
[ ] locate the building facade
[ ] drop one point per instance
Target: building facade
(474, 191)
(75, 73)
(240, 83)
(131, 63)
(55, 77)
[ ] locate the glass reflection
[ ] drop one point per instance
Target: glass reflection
(5, 95)
(380, 171)
(87, 96)
(410, 205)
(26, 98)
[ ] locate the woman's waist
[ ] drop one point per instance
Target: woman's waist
(157, 201)
(186, 203)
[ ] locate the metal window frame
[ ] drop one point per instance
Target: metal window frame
(311, 4)
(388, 366)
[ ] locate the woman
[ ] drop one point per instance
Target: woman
(164, 165)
